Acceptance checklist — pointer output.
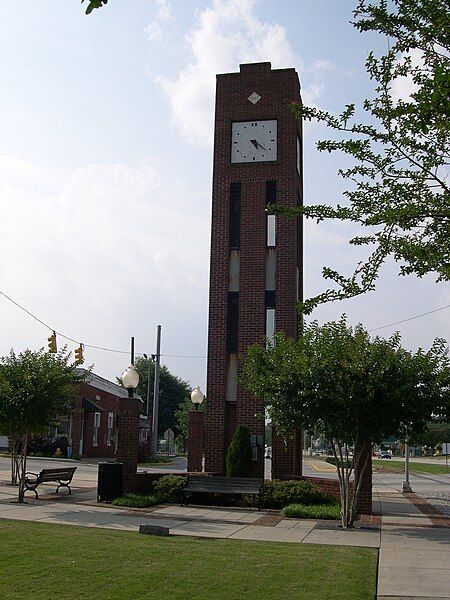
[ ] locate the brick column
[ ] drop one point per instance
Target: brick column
(286, 457)
(128, 440)
(365, 493)
(196, 440)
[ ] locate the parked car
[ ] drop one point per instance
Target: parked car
(384, 455)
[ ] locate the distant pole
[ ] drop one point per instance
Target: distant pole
(156, 395)
(150, 360)
(132, 350)
(406, 487)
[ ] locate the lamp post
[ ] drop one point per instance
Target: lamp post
(406, 486)
(154, 444)
(197, 397)
(130, 379)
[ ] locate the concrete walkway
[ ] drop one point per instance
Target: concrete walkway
(414, 560)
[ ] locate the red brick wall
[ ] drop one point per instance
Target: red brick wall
(277, 88)
(127, 448)
(109, 403)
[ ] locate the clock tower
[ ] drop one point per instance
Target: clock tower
(256, 258)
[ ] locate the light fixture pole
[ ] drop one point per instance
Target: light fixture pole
(154, 446)
(197, 397)
(130, 377)
(406, 486)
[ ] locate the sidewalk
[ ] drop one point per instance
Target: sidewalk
(414, 560)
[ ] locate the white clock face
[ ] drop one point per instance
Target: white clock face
(254, 141)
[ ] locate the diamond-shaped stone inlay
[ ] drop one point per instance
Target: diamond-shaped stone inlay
(254, 97)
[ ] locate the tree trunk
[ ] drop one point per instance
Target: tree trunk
(22, 468)
(361, 458)
(15, 445)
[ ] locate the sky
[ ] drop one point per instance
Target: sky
(106, 127)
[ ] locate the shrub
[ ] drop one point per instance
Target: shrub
(239, 455)
(136, 501)
(278, 494)
(169, 487)
(312, 511)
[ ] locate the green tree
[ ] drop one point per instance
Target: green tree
(437, 432)
(239, 454)
(399, 149)
(94, 4)
(172, 392)
(34, 388)
(352, 389)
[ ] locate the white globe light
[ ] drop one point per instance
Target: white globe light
(130, 378)
(197, 396)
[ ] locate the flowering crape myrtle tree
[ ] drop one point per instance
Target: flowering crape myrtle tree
(34, 388)
(398, 145)
(355, 390)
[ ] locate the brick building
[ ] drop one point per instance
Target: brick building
(256, 275)
(91, 428)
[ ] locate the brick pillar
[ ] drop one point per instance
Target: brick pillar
(287, 457)
(365, 493)
(128, 440)
(196, 440)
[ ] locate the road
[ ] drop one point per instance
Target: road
(86, 475)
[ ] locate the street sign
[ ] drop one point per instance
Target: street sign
(169, 435)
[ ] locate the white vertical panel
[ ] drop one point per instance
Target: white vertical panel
(271, 230)
(270, 325)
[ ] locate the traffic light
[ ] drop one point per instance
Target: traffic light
(52, 343)
(79, 359)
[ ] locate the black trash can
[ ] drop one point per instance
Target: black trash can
(110, 481)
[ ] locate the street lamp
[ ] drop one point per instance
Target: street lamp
(197, 397)
(130, 379)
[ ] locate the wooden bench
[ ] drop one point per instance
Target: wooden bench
(236, 486)
(63, 476)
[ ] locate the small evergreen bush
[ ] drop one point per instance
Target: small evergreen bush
(278, 494)
(136, 501)
(169, 487)
(313, 511)
(239, 455)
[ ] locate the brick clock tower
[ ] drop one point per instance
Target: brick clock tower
(256, 258)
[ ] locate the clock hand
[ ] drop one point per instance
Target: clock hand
(257, 144)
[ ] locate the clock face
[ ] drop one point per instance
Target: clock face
(254, 141)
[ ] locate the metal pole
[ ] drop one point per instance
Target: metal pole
(406, 485)
(150, 360)
(156, 395)
(130, 390)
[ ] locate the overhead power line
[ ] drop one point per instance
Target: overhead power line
(95, 347)
(429, 312)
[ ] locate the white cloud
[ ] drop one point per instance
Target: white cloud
(98, 252)
(163, 14)
(403, 87)
(226, 34)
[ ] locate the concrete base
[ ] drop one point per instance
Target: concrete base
(154, 530)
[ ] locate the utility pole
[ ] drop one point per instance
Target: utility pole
(154, 448)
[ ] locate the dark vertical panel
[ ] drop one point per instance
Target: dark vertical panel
(232, 322)
(235, 215)
(270, 299)
(271, 192)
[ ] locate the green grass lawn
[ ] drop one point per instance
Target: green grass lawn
(43, 561)
(413, 466)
